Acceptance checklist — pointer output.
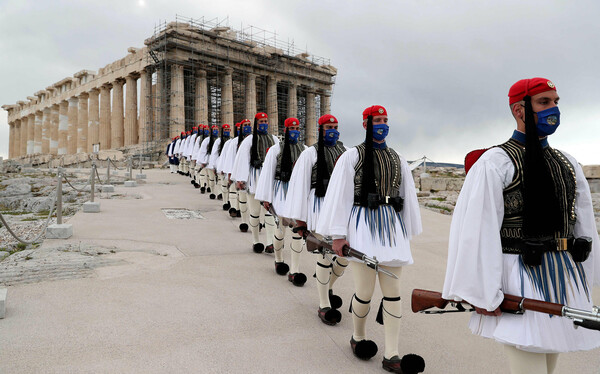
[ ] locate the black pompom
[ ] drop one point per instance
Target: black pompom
(412, 364)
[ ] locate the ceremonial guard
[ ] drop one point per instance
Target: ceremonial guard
(202, 159)
(371, 205)
(524, 225)
(198, 182)
(229, 141)
(188, 153)
(246, 172)
(173, 160)
(178, 146)
(240, 196)
(184, 153)
(215, 155)
(271, 190)
(307, 187)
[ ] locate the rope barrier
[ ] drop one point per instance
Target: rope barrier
(43, 230)
(115, 165)
(73, 187)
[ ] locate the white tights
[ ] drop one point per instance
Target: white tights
(522, 362)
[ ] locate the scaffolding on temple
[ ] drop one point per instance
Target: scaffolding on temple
(205, 51)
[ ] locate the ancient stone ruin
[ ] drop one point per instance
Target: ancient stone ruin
(189, 72)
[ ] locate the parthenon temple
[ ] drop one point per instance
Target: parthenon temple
(189, 72)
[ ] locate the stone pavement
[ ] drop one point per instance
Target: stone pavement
(190, 296)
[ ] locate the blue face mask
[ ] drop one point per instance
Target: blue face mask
(380, 132)
(247, 130)
(263, 128)
(331, 137)
(548, 121)
(215, 132)
(294, 135)
(195, 132)
(206, 133)
(226, 134)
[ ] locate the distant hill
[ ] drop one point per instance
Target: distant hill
(440, 164)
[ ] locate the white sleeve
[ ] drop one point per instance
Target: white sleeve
(230, 158)
(296, 202)
(170, 150)
(264, 186)
(475, 262)
(241, 165)
(411, 213)
(202, 157)
(214, 155)
(196, 150)
(586, 223)
(339, 199)
(222, 158)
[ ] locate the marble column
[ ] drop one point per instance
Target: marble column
(17, 141)
(160, 102)
(177, 112)
(311, 119)
(46, 128)
(37, 135)
(146, 113)
(63, 127)
(72, 125)
(54, 129)
(93, 118)
(24, 125)
(201, 102)
(11, 140)
(250, 96)
(117, 115)
(30, 134)
(227, 97)
(293, 100)
(325, 102)
(131, 126)
(82, 124)
(105, 125)
(272, 105)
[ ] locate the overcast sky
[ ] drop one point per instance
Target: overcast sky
(441, 68)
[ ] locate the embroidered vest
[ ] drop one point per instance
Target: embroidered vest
(563, 174)
(331, 156)
(295, 150)
(265, 141)
(388, 175)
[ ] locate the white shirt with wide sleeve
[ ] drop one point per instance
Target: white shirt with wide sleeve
(341, 218)
(478, 272)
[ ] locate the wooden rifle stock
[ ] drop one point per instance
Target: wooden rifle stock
(422, 300)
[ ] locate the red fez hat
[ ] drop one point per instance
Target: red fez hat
(375, 110)
(238, 124)
(214, 127)
(244, 121)
(291, 122)
(183, 133)
(327, 118)
(261, 115)
(529, 87)
(226, 127)
(189, 132)
(195, 128)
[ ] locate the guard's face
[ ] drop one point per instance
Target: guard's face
(263, 120)
(330, 126)
(543, 101)
(377, 120)
(293, 128)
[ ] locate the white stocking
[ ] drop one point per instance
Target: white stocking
(522, 362)
(364, 284)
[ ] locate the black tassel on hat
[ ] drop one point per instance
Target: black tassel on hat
(320, 188)
(541, 209)
(368, 177)
(254, 149)
(286, 159)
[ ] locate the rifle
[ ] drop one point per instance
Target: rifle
(284, 221)
(314, 244)
(423, 300)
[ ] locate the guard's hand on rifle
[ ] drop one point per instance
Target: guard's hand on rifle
(483, 311)
(300, 228)
(266, 205)
(240, 185)
(338, 246)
